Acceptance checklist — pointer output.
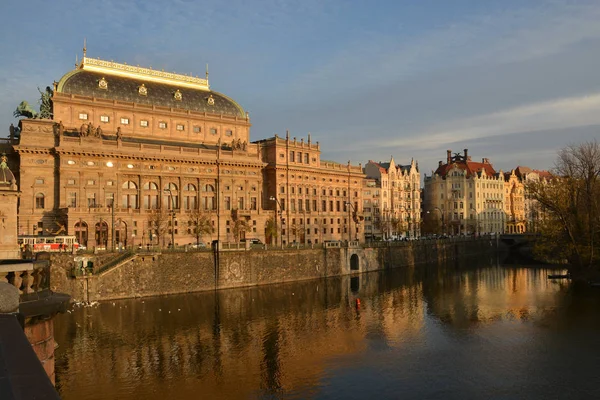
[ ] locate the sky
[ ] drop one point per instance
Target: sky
(512, 81)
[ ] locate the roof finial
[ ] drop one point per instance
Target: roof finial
(84, 47)
(206, 71)
(76, 60)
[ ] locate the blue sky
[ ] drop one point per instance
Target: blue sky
(512, 81)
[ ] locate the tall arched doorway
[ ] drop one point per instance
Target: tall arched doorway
(354, 262)
(120, 233)
(81, 233)
(101, 234)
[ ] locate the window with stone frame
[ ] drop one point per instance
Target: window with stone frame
(39, 201)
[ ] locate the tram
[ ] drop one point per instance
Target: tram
(49, 243)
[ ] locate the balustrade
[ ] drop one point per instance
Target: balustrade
(28, 277)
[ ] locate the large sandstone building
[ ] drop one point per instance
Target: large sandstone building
(392, 200)
(468, 197)
(136, 156)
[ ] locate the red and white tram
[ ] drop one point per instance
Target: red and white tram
(49, 243)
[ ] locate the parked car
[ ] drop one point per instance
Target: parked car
(199, 245)
(252, 241)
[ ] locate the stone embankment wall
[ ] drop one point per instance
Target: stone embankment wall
(170, 273)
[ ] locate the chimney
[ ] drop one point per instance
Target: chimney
(466, 154)
(449, 157)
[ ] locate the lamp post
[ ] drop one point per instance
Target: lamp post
(132, 241)
(273, 198)
(353, 212)
(172, 216)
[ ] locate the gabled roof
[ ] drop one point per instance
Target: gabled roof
(472, 168)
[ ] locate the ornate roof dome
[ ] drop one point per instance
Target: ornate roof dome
(122, 82)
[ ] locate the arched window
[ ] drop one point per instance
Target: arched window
(150, 186)
(129, 195)
(129, 185)
(171, 196)
(190, 201)
(151, 196)
(209, 188)
(39, 200)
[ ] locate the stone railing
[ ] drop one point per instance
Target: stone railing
(27, 276)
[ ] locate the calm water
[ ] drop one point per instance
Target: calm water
(452, 333)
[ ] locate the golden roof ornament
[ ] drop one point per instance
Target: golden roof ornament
(142, 90)
(210, 100)
(103, 84)
(177, 95)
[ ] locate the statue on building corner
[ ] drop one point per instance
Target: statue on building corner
(11, 130)
(82, 130)
(245, 145)
(119, 134)
(99, 131)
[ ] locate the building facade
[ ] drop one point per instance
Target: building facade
(315, 200)
(138, 156)
(467, 197)
(133, 156)
(392, 195)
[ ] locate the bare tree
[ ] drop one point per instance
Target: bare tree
(240, 225)
(571, 204)
(271, 231)
(158, 222)
(201, 224)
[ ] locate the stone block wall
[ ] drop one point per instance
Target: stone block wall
(170, 273)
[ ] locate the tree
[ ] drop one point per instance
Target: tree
(201, 224)
(158, 222)
(271, 231)
(239, 225)
(570, 203)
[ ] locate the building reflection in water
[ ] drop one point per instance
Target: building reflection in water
(272, 340)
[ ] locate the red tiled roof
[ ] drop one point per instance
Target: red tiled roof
(471, 167)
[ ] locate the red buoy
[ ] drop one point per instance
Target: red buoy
(357, 303)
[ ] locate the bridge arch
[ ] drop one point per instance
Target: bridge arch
(354, 262)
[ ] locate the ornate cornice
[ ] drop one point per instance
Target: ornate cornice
(148, 74)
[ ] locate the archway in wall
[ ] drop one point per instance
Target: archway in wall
(101, 234)
(81, 233)
(120, 233)
(354, 262)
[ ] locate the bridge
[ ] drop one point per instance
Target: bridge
(518, 239)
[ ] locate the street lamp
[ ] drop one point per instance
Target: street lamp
(354, 212)
(172, 216)
(273, 198)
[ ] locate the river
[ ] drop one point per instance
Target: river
(478, 332)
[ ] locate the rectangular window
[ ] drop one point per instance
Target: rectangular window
(72, 200)
(180, 127)
(197, 129)
(299, 157)
(144, 123)
(70, 181)
(282, 202)
(124, 121)
(91, 200)
(162, 125)
(228, 133)
(323, 205)
(306, 158)
(227, 202)
(110, 183)
(91, 182)
(39, 181)
(253, 203)
(213, 131)
(83, 116)
(292, 156)
(104, 118)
